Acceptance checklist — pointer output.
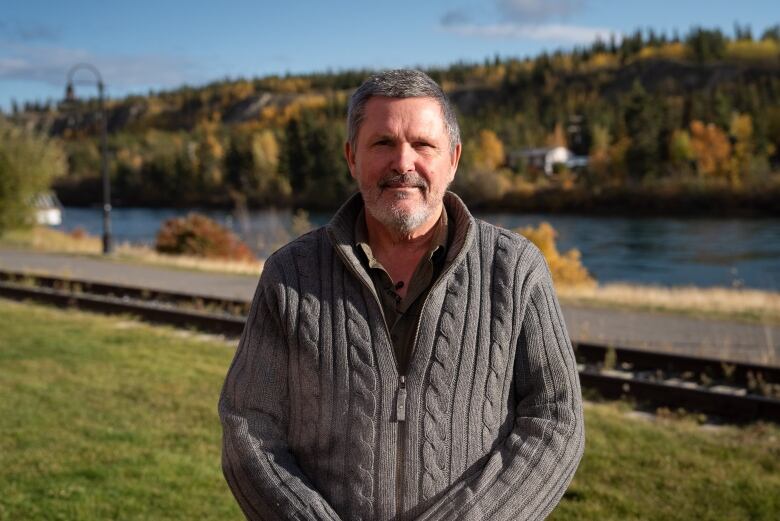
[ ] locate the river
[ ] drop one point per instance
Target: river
(663, 251)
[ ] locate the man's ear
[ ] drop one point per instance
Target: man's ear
(454, 160)
(349, 155)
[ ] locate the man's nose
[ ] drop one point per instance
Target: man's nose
(404, 158)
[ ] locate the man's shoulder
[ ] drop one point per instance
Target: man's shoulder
(305, 248)
(492, 236)
(503, 248)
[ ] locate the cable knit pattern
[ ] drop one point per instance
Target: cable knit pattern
(500, 329)
(493, 429)
(308, 327)
(362, 409)
(435, 453)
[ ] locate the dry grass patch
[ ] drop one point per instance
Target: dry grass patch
(144, 255)
(78, 242)
(46, 239)
(755, 305)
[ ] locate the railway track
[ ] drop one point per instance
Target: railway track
(728, 389)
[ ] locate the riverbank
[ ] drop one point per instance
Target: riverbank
(693, 199)
(741, 304)
(689, 197)
(101, 422)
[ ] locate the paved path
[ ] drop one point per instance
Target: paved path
(129, 274)
(646, 330)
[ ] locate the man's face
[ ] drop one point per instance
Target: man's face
(402, 161)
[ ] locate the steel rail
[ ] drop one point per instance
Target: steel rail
(642, 360)
(740, 407)
(609, 384)
(197, 301)
(162, 314)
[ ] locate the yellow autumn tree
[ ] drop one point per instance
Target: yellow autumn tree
(607, 160)
(265, 151)
(680, 150)
(209, 153)
(238, 90)
(598, 161)
(480, 177)
(489, 153)
(741, 130)
(567, 268)
(711, 148)
(265, 159)
(603, 60)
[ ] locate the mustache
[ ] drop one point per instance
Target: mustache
(407, 179)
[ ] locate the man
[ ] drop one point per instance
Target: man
(406, 361)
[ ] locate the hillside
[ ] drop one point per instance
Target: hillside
(680, 125)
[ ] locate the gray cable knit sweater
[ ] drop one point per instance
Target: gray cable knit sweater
(486, 425)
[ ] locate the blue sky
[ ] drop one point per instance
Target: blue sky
(163, 44)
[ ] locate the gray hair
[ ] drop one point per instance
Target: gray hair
(400, 83)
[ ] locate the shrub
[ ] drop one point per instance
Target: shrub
(566, 269)
(28, 162)
(200, 236)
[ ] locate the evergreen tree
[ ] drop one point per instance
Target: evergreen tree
(238, 165)
(706, 45)
(771, 33)
(643, 129)
(297, 159)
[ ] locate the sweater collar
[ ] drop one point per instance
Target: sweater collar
(341, 231)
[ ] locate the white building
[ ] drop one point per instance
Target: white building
(545, 158)
(48, 209)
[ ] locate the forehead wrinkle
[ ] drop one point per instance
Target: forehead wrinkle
(395, 122)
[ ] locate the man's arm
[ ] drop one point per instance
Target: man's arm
(258, 466)
(525, 477)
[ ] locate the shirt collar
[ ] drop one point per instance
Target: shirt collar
(341, 233)
(438, 244)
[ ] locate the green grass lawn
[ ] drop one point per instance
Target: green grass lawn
(104, 418)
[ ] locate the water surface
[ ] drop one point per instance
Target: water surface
(665, 251)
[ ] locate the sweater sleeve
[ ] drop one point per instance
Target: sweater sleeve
(526, 476)
(257, 463)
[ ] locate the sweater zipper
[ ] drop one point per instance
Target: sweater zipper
(400, 412)
(401, 396)
(400, 404)
(400, 416)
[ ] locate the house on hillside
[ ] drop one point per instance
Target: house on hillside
(48, 209)
(546, 158)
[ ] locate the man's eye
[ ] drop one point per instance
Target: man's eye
(383, 142)
(423, 144)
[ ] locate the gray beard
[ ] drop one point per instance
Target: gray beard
(399, 221)
(396, 220)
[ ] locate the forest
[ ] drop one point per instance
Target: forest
(664, 124)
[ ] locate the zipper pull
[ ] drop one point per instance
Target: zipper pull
(400, 400)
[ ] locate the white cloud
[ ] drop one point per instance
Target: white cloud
(455, 17)
(526, 20)
(525, 11)
(549, 32)
(50, 65)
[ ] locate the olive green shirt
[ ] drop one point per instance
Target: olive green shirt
(403, 314)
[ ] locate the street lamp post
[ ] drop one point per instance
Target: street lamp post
(71, 96)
